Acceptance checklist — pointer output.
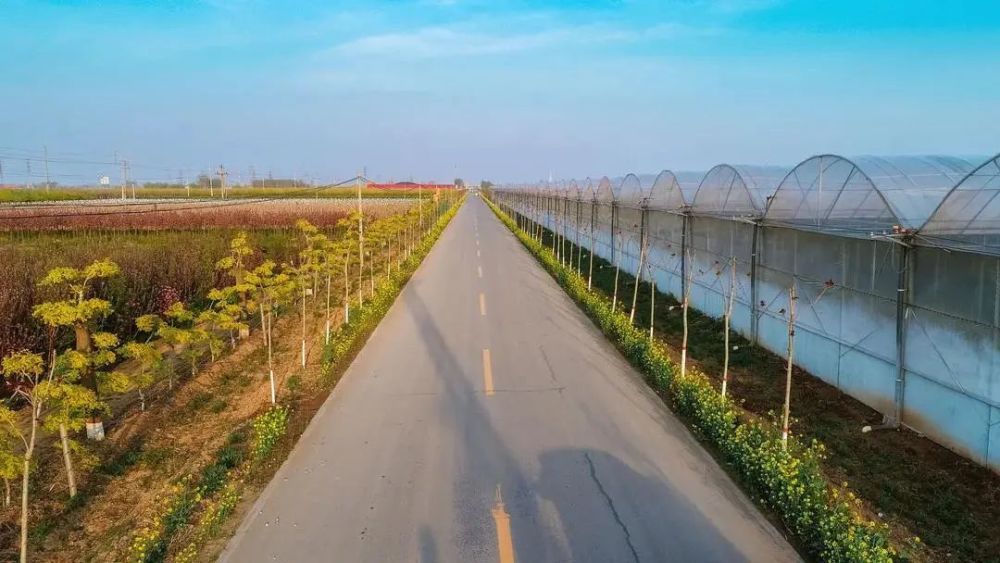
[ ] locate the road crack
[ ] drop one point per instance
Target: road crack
(611, 506)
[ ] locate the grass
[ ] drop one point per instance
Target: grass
(920, 488)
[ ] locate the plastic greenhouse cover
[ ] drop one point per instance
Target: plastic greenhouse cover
(970, 214)
(630, 191)
(665, 193)
(864, 193)
(740, 190)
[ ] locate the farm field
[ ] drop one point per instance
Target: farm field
(20, 195)
(164, 214)
(201, 340)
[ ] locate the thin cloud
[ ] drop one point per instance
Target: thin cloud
(435, 42)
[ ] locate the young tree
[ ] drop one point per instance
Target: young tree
(79, 311)
(309, 266)
(177, 328)
(727, 319)
(271, 289)
(786, 408)
(71, 404)
(149, 367)
(24, 371)
(240, 293)
(10, 459)
(685, 305)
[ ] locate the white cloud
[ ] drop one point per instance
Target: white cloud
(434, 42)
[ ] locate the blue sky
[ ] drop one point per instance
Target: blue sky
(493, 89)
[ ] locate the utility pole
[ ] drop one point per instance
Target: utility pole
(125, 173)
(27, 163)
(222, 180)
(253, 177)
(128, 171)
(124, 178)
(45, 151)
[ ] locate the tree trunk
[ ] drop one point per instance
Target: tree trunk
(728, 319)
(68, 460)
(24, 509)
(652, 304)
(6, 493)
(25, 482)
(788, 367)
(88, 378)
(347, 296)
(270, 361)
(684, 312)
(327, 340)
(303, 325)
(614, 298)
(638, 279)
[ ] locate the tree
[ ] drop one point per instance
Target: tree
(24, 371)
(271, 289)
(79, 311)
(148, 369)
(308, 268)
(177, 329)
(72, 404)
(10, 459)
(235, 264)
(727, 320)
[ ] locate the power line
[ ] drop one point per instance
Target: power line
(231, 203)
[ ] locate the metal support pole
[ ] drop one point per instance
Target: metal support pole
(754, 305)
(685, 225)
(902, 299)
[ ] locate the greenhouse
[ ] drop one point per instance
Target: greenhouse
(895, 262)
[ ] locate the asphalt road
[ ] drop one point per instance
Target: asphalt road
(485, 377)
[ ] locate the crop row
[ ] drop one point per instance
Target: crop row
(172, 214)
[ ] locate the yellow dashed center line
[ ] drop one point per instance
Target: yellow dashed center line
(482, 304)
(487, 372)
(505, 542)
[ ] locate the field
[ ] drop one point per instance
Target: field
(163, 214)
(200, 335)
(14, 195)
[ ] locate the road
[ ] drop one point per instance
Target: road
(488, 420)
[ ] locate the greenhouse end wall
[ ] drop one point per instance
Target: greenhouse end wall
(846, 317)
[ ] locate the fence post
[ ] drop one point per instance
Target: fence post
(754, 312)
(642, 260)
(902, 300)
(685, 225)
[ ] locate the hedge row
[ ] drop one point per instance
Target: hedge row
(789, 481)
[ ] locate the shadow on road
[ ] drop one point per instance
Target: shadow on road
(586, 505)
